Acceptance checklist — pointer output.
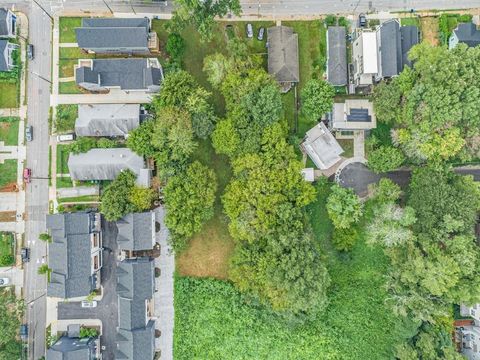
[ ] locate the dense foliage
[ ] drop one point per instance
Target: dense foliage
(385, 158)
(189, 199)
(317, 98)
(140, 139)
(344, 207)
(12, 311)
(434, 107)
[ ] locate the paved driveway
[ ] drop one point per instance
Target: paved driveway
(107, 309)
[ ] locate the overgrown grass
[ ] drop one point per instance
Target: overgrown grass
(62, 159)
(448, 22)
(7, 253)
(67, 28)
(66, 67)
(66, 116)
(9, 130)
(8, 172)
(347, 146)
(64, 182)
(9, 96)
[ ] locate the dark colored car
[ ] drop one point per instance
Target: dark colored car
(29, 133)
(25, 254)
(362, 20)
(24, 332)
(30, 52)
(261, 33)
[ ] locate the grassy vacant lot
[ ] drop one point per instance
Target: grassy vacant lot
(66, 116)
(6, 249)
(8, 98)
(8, 172)
(62, 159)
(67, 29)
(69, 87)
(9, 130)
(352, 327)
(430, 30)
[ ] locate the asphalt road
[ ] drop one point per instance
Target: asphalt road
(38, 97)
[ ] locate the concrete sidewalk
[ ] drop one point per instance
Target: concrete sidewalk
(115, 96)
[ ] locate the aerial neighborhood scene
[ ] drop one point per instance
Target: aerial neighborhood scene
(239, 179)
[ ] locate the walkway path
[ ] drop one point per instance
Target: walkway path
(164, 290)
(69, 45)
(115, 96)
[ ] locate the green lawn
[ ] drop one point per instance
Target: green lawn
(67, 28)
(9, 96)
(347, 146)
(69, 87)
(409, 21)
(66, 116)
(7, 251)
(9, 130)
(66, 67)
(93, 198)
(353, 327)
(8, 172)
(64, 182)
(62, 159)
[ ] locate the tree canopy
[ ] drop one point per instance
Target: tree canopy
(12, 310)
(317, 98)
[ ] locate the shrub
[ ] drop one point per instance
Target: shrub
(175, 46)
(105, 143)
(344, 239)
(385, 158)
(88, 332)
(331, 20)
(6, 259)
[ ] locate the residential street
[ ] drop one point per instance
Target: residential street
(38, 95)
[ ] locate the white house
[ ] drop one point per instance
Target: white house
(365, 58)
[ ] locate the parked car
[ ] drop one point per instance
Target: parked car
(89, 304)
(261, 33)
(29, 133)
(24, 332)
(65, 137)
(30, 52)
(27, 175)
(249, 30)
(362, 20)
(4, 281)
(25, 254)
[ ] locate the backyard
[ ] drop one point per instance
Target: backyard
(9, 130)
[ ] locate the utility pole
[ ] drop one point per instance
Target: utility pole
(45, 11)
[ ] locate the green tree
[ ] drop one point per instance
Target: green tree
(142, 198)
(317, 98)
(343, 207)
(140, 139)
(12, 310)
(105, 143)
(385, 191)
(176, 89)
(203, 116)
(45, 237)
(385, 158)
(344, 239)
(86, 332)
(189, 200)
(116, 197)
(225, 138)
(201, 14)
(43, 269)
(82, 145)
(175, 46)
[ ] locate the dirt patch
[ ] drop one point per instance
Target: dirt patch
(207, 255)
(430, 30)
(7, 216)
(11, 187)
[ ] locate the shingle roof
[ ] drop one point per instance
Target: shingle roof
(410, 38)
(337, 55)
(468, 33)
(391, 48)
(3, 22)
(66, 348)
(107, 119)
(104, 164)
(283, 54)
(322, 147)
(3, 63)
(115, 22)
(138, 344)
(136, 231)
(69, 255)
(128, 74)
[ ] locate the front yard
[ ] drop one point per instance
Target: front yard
(67, 28)
(9, 96)
(8, 172)
(9, 130)
(7, 251)
(62, 159)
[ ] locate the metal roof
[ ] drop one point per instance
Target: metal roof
(337, 55)
(283, 54)
(390, 47)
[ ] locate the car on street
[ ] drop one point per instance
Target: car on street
(25, 254)
(65, 137)
(27, 175)
(29, 133)
(4, 281)
(89, 304)
(30, 52)
(24, 332)
(249, 30)
(362, 20)
(261, 34)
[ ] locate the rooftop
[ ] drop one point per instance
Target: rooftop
(337, 55)
(322, 147)
(283, 54)
(468, 33)
(66, 348)
(353, 114)
(136, 231)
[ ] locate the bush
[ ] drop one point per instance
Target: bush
(342, 21)
(88, 332)
(105, 143)
(331, 20)
(82, 145)
(385, 158)
(344, 239)
(175, 46)
(6, 259)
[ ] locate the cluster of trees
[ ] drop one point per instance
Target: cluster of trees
(84, 144)
(434, 257)
(433, 108)
(183, 116)
(12, 311)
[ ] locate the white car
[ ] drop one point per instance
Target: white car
(4, 281)
(89, 304)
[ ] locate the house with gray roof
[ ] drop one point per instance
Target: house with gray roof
(465, 33)
(393, 44)
(116, 36)
(106, 164)
(111, 120)
(74, 255)
(337, 56)
(8, 24)
(69, 348)
(353, 114)
(6, 55)
(283, 62)
(322, 147)
(136, 328)
(134, 74)
(136, 231)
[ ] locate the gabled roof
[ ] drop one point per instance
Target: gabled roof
(337, 55)
(468, 33)
(107, 119)
(113, 33)
(104, 164)
(283, 54)
(66, 348)
(136, 231)
(86, 75)
(3, 22)
(3, 62)
(410, 38)
(69, 255)
(322, 147)
(391, 48)
(138, 344)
